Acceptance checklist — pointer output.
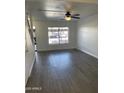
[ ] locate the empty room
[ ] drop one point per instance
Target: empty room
(61, 46)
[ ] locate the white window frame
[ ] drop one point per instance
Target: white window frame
(56, 29)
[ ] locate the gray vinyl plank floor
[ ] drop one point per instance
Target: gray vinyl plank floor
(63, 71)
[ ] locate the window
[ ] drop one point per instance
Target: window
(58, 35)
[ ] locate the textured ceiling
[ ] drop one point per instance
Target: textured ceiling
(83, 7)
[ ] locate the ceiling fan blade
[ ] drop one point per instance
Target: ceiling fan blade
(75, 14)
(75, 17)
(62, 19)
(51, 10)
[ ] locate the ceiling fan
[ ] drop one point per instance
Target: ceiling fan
(68, 16)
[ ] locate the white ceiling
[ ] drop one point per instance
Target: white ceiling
(83, 7)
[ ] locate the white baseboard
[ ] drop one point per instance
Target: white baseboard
(88, 53)
(32, 66)
(31, 69)
(56, 49)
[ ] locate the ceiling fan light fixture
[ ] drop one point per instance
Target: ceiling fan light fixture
(68, 18)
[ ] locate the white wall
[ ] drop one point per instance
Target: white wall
(87, 36)
(42, 34)
(29, 55)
